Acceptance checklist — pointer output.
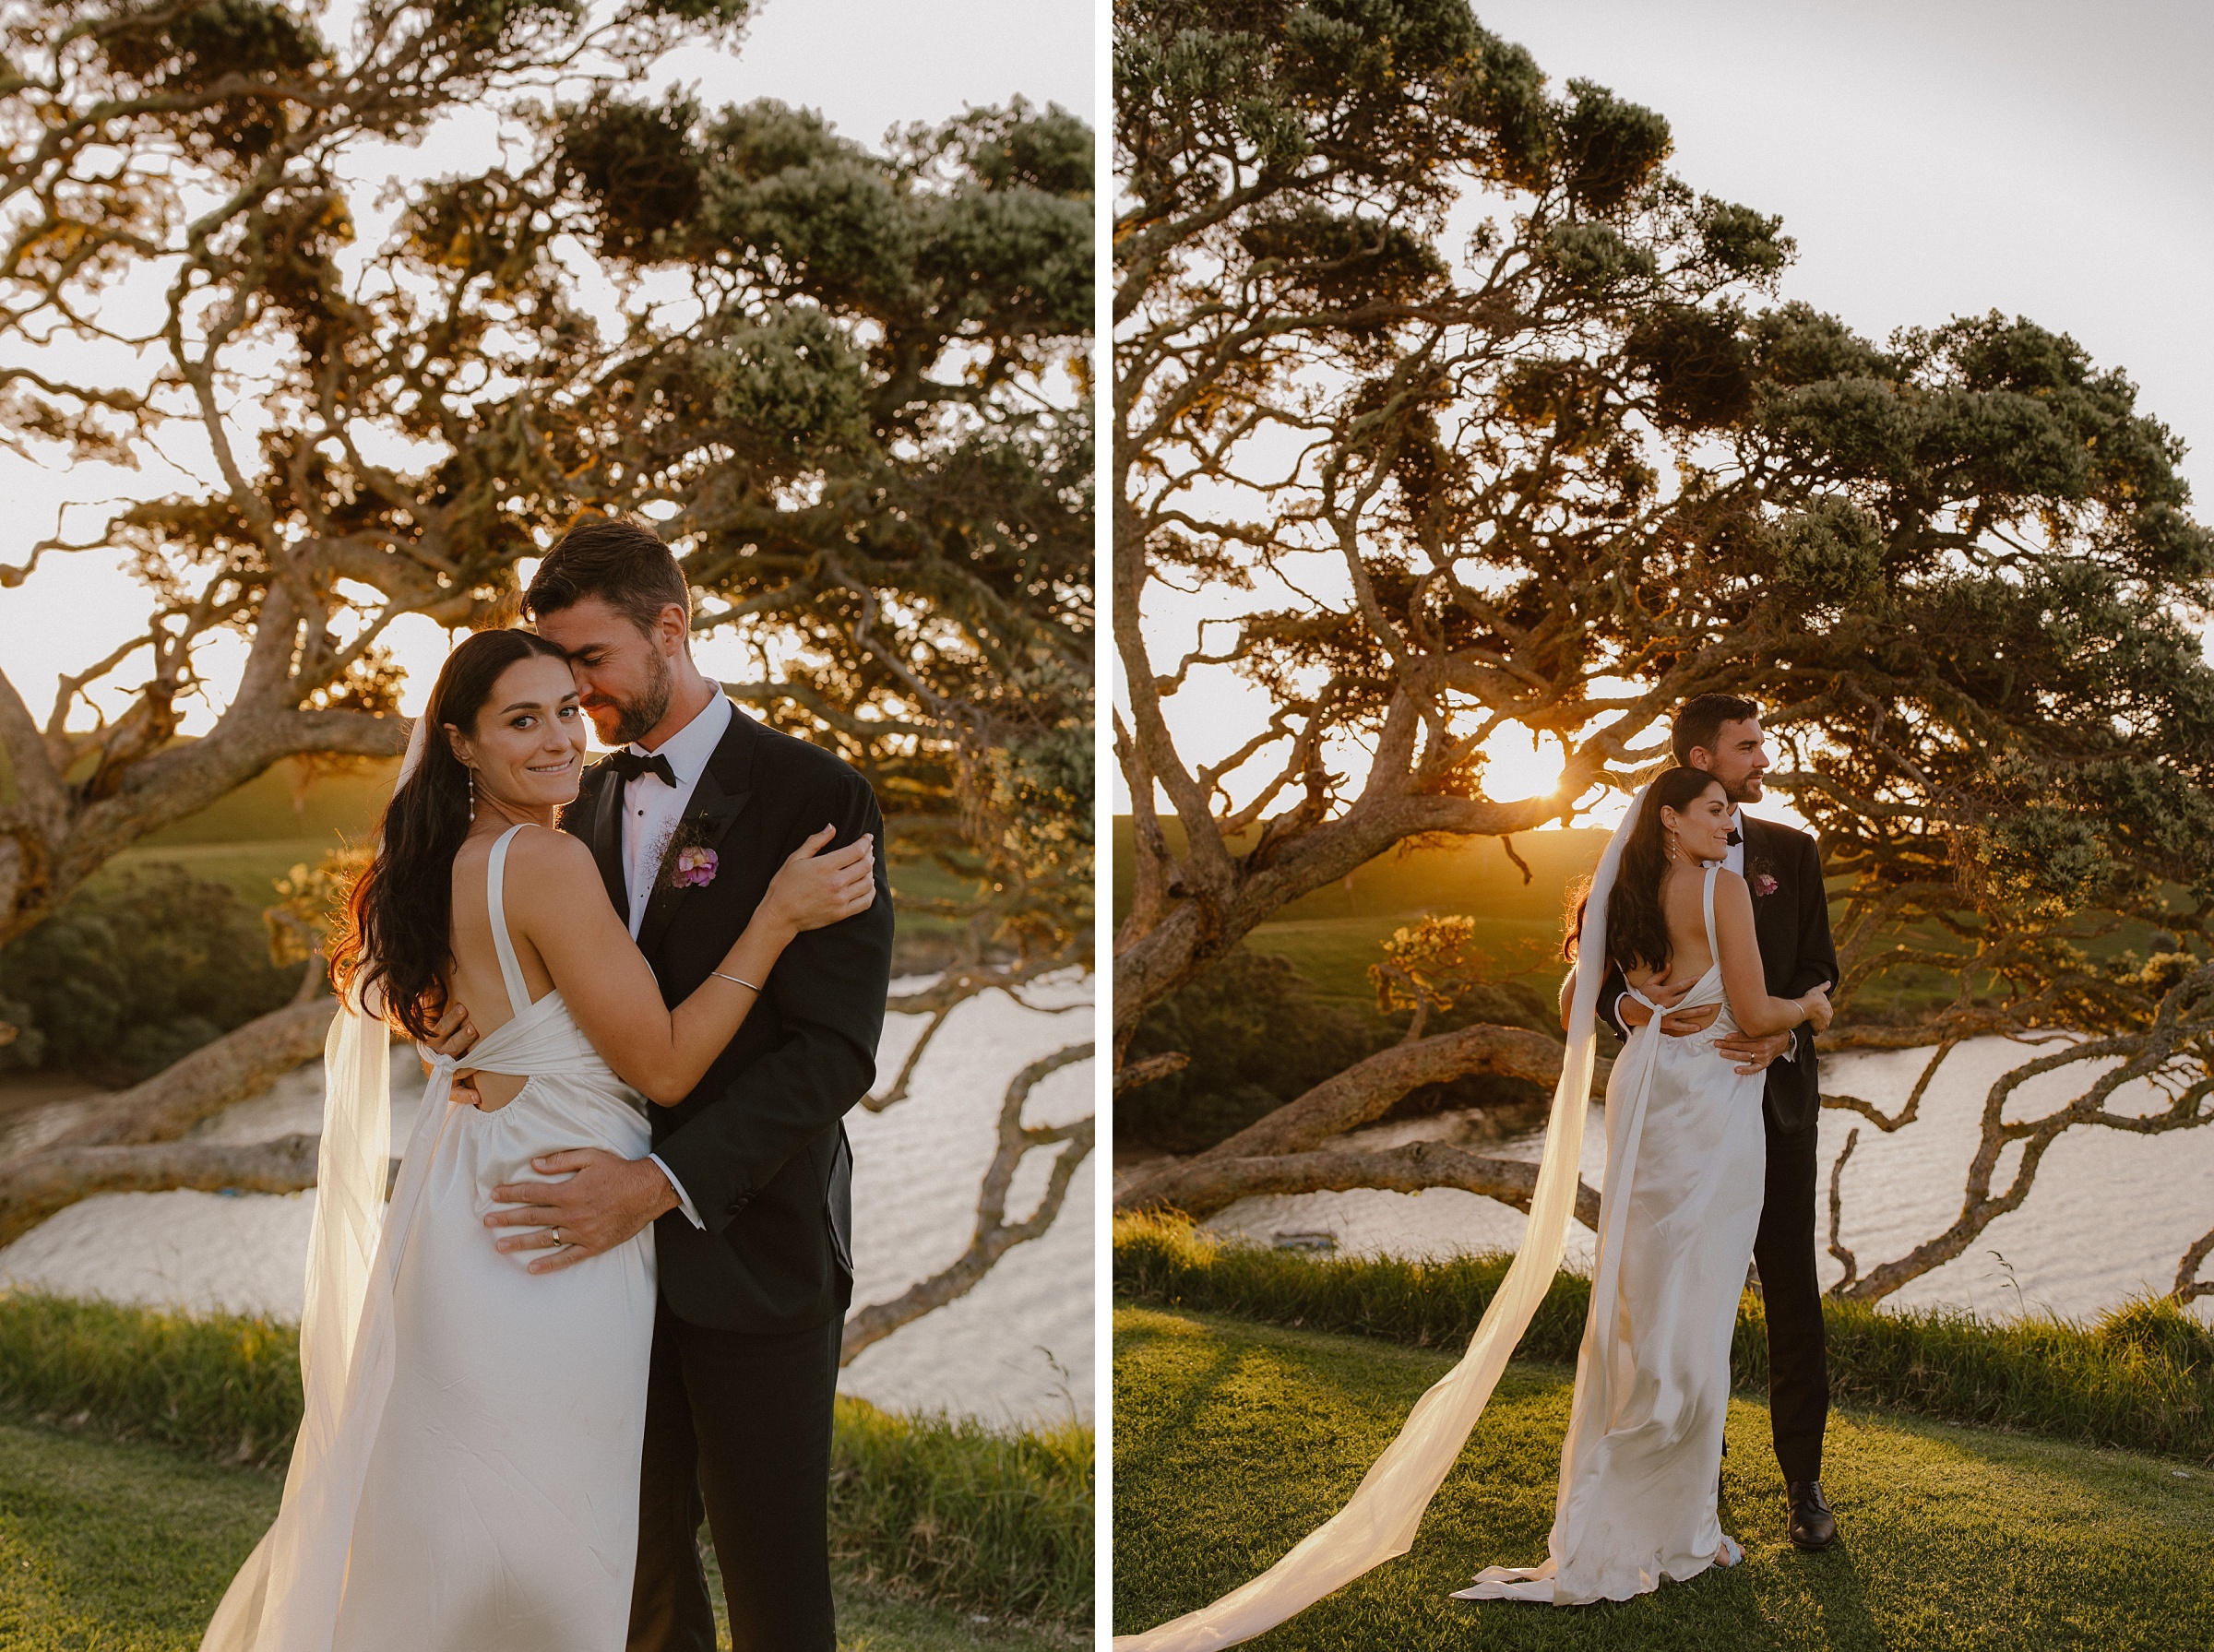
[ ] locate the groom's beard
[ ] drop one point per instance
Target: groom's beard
(1746, 791)
(636, 719)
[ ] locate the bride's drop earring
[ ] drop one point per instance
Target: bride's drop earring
(472, 796)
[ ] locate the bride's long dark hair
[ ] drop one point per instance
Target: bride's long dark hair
(1636, 929)
(394, 929)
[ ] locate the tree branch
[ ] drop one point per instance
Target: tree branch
(1216, 1184)
(994, 1235)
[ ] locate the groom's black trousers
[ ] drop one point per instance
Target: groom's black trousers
(738, 1430)
(1792, 1294)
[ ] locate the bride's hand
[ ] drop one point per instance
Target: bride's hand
(1682, 1024)
(1817, 1007)
(816, 887)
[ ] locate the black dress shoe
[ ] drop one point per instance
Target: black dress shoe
(1813, 1526)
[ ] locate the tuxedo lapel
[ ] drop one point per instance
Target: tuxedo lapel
(724, 789)
(1769, 909)
(606, 839)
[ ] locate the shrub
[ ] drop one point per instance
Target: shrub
(222, 1386)
(1257, 1038)
(135, 972)
(954, 1510)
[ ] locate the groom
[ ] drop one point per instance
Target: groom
(749, 1185)
(1720, 733)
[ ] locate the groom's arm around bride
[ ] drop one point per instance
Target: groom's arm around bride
(749, 1183)
(773, 1247)
(1782, 869)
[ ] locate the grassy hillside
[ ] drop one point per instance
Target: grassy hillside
(1474, 877)
(286, 803)
(1234, 1440)
(278, 820)
(1332, 935)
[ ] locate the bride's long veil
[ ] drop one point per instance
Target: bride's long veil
(1379, 1522)
(286, 1595)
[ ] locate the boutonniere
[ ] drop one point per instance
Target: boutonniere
(688, 862)
(1760, 878)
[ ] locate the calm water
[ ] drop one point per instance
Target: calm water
(1016, 1347)
(2108, 1216)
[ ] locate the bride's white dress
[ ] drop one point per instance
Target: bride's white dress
(1686, 1158)
(467, 1476)
(1686, 1163)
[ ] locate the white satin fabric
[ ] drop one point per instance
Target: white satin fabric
(1686, 1163)
(465, 1476)
(1379, 1522)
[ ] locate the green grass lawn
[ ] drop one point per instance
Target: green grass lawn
(1234, 1440)
(108, 1547)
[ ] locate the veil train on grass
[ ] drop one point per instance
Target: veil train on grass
(1379, 1521)
(287, 1594)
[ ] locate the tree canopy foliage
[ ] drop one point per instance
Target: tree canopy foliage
(849, 385)
(1497, 421)
(847, 382)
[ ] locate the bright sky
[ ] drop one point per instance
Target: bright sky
(868, 65)
(2039, 156)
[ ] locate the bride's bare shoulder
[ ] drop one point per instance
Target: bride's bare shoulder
(549, 859)
(1731, 890)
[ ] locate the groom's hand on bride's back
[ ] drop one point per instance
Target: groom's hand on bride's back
(1753, 1054)
(603, 1200)
(1675, 1023)
(456, 1035)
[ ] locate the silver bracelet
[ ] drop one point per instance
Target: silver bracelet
(743, 983)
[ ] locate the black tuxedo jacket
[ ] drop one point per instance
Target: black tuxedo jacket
(1791, 918)
(760, 1144)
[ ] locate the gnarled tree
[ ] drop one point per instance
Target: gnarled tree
(847, 384)
(1496, 423)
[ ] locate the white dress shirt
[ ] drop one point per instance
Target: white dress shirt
(652, 809)
(650, 812)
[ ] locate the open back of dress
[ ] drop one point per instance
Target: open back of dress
(1686, 1169)
(470, 1482)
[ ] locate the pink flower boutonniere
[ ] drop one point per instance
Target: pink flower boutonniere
(1763, 884)
(695, 868)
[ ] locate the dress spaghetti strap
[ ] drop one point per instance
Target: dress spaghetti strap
(1714, 949)
(511, 970)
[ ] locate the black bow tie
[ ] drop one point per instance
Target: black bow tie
(1734, 838)
(630, 766)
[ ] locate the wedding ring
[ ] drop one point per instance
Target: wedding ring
(557, 1233)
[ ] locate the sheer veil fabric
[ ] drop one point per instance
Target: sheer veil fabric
(1379, 1522)
(466, 1477)
(287, 1594)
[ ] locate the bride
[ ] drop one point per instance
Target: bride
(1686, 1154)
(466, 1475)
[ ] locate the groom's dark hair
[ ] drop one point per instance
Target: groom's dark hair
(620, 561)
(1699, 723)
